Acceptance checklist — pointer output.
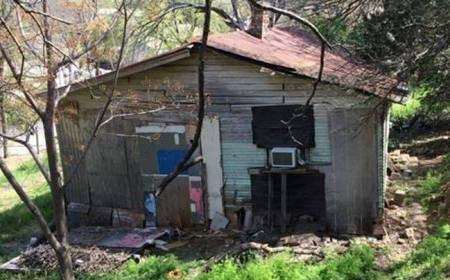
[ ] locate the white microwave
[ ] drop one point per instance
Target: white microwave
(283, 157)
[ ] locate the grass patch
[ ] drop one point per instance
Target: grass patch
(430, 260)
(430, 185)
(356, 263)
(16, 221)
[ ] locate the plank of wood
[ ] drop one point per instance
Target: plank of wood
(173, 206)
(211, 152)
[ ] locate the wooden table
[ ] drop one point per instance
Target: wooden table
(283, 172)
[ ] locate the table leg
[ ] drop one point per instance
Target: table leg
(283, 203)
(269, 201)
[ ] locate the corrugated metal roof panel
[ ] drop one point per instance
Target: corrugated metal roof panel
(298, 52)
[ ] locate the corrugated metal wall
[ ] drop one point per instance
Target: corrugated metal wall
(236, 159)
(321, 153)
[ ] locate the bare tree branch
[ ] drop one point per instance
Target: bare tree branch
(103, 112)
(236, 14)
(34, 11)
(92, 45)
(18, 77)
(26, 144)
(201, 105)
(16, 42)
(292, 16)
(112, 117)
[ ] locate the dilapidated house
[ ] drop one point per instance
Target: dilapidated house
(254, 167)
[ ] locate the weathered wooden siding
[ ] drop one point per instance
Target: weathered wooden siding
(354, 175)
(71, 143)
(233, 87)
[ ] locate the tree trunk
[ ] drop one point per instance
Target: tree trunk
(57, 191)
(2, 112)
(65, 263)
(59, 207)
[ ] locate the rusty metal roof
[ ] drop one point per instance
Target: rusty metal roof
(288, 50)
(298, 52)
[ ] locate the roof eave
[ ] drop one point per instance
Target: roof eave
(165, 58)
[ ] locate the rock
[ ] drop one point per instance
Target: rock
(395, 176)
(401, 241)
(404, 158)
(34, 242)
(401, 166)
(407, 172)
(395, 153)
(393, 158)
(378, 231)
(136, 258)
(78, 262)
(413, 162)
(392, 206)
(409, 232)
(399, 197)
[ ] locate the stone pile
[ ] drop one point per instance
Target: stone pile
(401, 164)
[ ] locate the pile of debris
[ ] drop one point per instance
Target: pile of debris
(310, 246)
(85, 259)
(405, 225)
(401, 165)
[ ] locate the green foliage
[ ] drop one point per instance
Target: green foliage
(356, 263)
(153, 267)
(157, 30)
(335, 30)
(431, 185)
(408, 38)
(430, 260)
(15, 218)
(16, 221)
(411, 38)
(405, 112)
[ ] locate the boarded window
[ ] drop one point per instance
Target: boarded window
(270, 130)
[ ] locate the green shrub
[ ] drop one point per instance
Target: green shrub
(153, 267)
(430, 260)
(356, 263)
(405, 112)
